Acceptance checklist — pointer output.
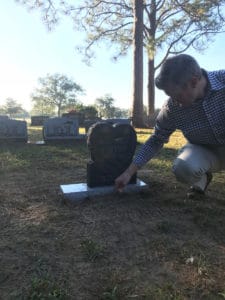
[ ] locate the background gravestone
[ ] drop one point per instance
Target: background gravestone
(13, 130)
(4, 117)
(60, 129)
(119, 120)
(89, 123)
(38, 120)
(111, 147)
(77, 115)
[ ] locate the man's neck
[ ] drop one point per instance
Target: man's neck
(202, 87)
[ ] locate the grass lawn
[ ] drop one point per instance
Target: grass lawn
(155, 245)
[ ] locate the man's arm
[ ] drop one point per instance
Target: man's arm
(147, 151)
(163, 129)
(125, 177)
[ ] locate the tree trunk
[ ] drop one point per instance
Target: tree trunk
(137, 107)
(151, 87)
(59, 110)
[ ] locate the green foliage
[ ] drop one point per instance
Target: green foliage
(56, 91)
(172, 27)
(105, 106)
(89, 111)
(106, 109)
(40, 107)
(13, 109)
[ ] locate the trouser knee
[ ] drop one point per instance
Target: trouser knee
(185, 172)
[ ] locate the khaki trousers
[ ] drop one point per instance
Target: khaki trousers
(193, 161)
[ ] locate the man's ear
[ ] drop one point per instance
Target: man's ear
(194, 81)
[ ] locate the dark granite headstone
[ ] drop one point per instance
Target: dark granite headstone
(119, 120)
(89, 123)
(111, 147)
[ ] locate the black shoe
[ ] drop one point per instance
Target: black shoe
(196, 192)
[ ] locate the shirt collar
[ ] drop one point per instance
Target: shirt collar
(214, 83)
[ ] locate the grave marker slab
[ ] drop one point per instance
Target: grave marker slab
(80, 191)
(4, 117)
(61, 129)
(38, 120)
(13, 130)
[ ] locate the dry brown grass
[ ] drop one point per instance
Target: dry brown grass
(152, 245)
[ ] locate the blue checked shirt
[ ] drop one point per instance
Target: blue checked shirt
(201, 123)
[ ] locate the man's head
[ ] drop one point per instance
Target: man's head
(180, 77)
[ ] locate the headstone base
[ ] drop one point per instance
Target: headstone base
(78, 138)
(79, 191)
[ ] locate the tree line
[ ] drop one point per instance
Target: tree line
(13, 108)
(57, 94)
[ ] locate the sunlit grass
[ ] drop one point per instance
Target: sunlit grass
(35, 133)
(10, 161)
(82, 130)
(176, 140)
(143, 134)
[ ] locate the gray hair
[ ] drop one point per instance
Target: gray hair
(177, 71)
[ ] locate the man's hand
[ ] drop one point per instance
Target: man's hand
(125, 177)
(122, 181)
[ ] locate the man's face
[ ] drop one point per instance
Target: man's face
(185, 96)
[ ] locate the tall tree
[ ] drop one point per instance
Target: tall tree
(137, 108)
(170, 26)
(56, 91)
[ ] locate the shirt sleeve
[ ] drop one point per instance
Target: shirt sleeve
(221, 76)
(163, 129)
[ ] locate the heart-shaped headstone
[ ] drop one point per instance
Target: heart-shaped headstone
(111, 147)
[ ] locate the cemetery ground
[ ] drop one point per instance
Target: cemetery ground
(152, 245)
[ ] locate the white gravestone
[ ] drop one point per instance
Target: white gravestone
(61, 129)
(77, 192)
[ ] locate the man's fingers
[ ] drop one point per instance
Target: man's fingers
(119, 185)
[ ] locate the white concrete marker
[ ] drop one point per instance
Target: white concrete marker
(79, 191)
